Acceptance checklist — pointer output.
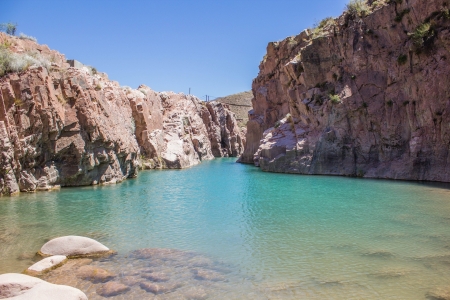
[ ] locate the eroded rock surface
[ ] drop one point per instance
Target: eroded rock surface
(363, 96)
(64, 126)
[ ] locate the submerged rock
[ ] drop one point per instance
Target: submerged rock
(156, 276)
(159, 288)
(74, 246)
(112, 288)
(203, 274)
(46, 265)
(19, 286)
(95, 274)
(439, 294)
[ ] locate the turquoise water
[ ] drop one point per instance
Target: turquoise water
(288, 236)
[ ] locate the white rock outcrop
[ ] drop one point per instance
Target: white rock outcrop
(74, 246)
(46, 264)
(24, 287)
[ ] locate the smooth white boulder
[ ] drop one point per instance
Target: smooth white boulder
(73, 246)
(47, 264)
(24, 287)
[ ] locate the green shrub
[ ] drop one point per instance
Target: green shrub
(402, 59)
(423, 33)
(390, 102)
(27, 37)
(335, 99)
(9, 28)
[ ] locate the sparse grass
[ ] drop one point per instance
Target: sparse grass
(402, 59)
(320, 29)
(14, 62)
(27, 37)
(358, 8)
(61, 99)
(18, 102)
(290, 120)
(98, 87)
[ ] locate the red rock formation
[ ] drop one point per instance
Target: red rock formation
(62, 126)
(363, 96)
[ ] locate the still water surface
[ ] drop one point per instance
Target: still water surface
(282, 236)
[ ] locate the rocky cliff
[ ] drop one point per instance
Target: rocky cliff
(240, 104)
(365, 94)
(63, 126)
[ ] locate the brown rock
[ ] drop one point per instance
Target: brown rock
(156, 276)
(361, 98)
(195, 293)
(94, 274)
(112, 288)
(439, 294)
(203, 274)
(130, 280)
(62, 126)
(159, 288)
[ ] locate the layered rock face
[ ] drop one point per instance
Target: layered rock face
(178, 131)
(62, 126)
(363, 96)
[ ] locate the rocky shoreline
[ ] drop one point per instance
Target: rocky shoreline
(72, 126)
(81, 268)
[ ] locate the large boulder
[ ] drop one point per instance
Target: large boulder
(74, 247)
(46, 265)
(19, 286)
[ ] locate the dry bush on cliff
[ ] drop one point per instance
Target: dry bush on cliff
(17, 62)
(358, 7)
(27, 37)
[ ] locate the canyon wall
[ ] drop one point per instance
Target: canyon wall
(365, 94)
(64, 126)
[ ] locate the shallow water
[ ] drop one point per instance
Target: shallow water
(279, 236)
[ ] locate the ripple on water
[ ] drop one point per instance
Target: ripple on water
(250, 235)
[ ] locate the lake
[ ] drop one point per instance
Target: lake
(270, 236)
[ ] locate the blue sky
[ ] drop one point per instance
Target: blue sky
(211, 46)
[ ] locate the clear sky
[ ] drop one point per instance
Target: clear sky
(213, 47)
